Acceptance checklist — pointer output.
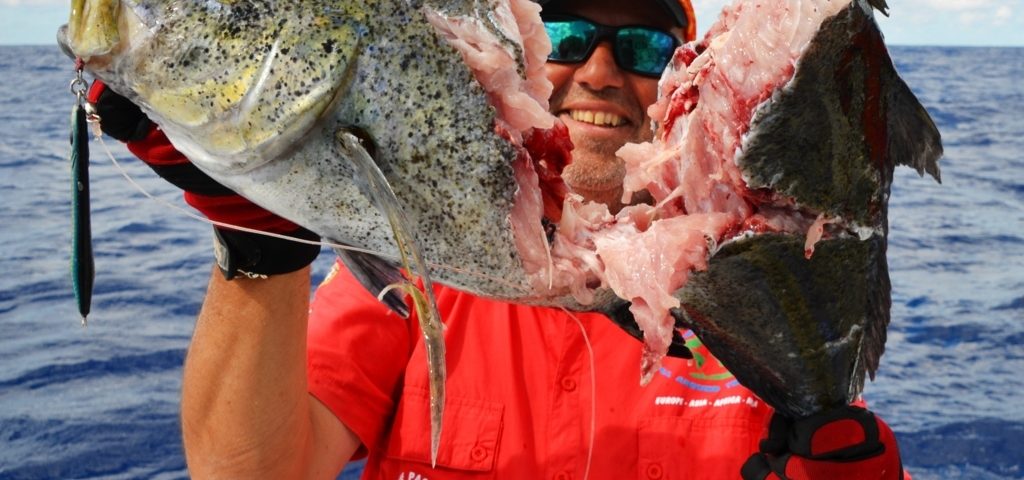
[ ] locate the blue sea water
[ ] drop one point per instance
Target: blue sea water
(102, 401)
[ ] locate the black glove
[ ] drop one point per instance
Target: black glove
(119, 118)
(845, 443)
(238, 252)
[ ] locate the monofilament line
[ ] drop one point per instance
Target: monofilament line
(124, 173)
(593, 392)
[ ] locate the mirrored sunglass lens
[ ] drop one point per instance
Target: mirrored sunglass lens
(643, 50)
(569, 39)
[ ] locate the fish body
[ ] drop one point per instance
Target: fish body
(814, 137)
(256, 92)
(287, 103)
(776, 139)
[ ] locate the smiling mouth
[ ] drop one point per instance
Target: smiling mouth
(601, 119)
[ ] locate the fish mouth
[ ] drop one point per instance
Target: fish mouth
(64, 43)
(92, 28)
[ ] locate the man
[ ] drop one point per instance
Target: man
(527, 398)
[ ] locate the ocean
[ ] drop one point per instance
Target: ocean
(102, 401)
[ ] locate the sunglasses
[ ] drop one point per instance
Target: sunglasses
(638, 49)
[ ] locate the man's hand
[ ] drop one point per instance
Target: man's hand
(845, 443)
(121, 119)
(239, 252)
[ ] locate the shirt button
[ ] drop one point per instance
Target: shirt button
(478, 453)
(563, 476)
(654, 471)
(568, 384)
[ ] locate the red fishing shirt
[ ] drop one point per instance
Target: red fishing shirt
(523, 398)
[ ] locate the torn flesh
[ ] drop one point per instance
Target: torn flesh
(707, 98)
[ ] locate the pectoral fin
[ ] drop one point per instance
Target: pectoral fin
(881, 6)
(914, 140)
(357, 146)
(376, 274)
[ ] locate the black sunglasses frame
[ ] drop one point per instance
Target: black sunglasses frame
(609, 33)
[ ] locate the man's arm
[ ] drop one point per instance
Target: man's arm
(246, 412)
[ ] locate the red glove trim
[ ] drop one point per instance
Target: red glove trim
(237, 210)
(156, 149)
(95, 90)
(837, 435)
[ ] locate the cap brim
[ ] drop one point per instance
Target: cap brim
(672, 7)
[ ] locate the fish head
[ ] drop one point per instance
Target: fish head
(234, 84)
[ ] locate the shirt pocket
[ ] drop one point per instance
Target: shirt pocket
(470, 435)
(676, 447)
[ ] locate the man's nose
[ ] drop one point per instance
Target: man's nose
(600, 70)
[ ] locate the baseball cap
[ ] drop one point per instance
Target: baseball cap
(680, 10)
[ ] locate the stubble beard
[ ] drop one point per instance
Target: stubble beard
(596, 173)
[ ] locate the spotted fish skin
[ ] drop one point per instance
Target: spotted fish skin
(284, 102)
(255, 92)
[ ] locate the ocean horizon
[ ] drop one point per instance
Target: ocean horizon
(101, 402)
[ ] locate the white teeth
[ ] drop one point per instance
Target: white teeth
(596, 118)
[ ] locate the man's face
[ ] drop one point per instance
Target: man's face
(603, 107)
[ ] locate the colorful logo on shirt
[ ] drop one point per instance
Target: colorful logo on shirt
(411, 476)
(706, 373)
(706, 382)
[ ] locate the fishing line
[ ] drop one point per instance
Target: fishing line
(593, 392)
(124, 173)
(586, 339)
(203, 219)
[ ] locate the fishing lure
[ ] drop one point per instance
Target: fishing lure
(83, 270)
(424, 301)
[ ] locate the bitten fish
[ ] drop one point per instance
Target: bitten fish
(777, 135)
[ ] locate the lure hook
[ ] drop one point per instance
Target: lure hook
(79, 86)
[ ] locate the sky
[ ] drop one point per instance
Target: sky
(911, 22)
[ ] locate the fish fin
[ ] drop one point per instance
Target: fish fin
(876, 322)
(914, 140)
(357, 146)
(799, 333)
(376, 275)
(881, 6)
